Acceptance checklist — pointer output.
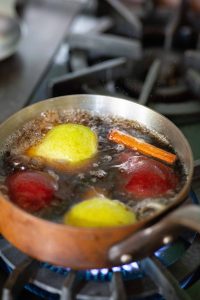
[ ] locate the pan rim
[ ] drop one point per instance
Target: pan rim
(176, 200)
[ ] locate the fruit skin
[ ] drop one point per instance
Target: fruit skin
(99, 212)
(66, 142)
(31, 190)
(149, 178)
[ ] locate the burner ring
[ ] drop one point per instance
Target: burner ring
(170, 86)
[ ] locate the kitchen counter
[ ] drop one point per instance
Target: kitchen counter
(43, 29)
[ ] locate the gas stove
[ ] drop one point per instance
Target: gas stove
(144, 51)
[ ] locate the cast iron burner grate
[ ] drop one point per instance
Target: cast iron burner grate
(172, 272)
(111, 63)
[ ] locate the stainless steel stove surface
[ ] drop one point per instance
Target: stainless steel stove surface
(130, 49)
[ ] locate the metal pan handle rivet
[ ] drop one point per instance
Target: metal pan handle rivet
(126, 258)
(167, 239)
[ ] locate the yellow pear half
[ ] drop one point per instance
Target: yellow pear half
(99, 212)
(66, 142)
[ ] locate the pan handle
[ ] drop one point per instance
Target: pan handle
(144, 242)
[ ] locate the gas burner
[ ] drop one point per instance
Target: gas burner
(169, 91)
(170, 83)
(95, 58)
(100, 75)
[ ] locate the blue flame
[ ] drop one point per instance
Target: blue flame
(128, 271)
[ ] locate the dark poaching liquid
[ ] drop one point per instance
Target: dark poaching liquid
(104, 174)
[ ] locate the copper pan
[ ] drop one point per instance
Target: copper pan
(82, 248)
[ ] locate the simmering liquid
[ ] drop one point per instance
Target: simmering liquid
(108, 173)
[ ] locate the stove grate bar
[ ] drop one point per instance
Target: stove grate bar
(4, 245)
(117, 287)
(103, 72)
(129, 16)
(150, 82)
(103, 24)
(68, 286)
(176, 22)
(181, 113)
(106, 44)
(21, 275)
(12, 256)
(77, 60)
(193, 81)
(48, 281)
(198, 42)
(188, 263)
(196, 174)
(167, 284)
(192, 59)
(170, 31)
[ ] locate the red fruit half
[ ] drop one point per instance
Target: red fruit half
(31, 190)
(149, 178)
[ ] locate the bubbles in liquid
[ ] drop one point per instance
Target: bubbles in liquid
(107, 158)
(103, 173)
(119, 147)
(95, 165)
(98, 173)
(81, 176)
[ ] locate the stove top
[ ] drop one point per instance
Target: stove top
(129, 49)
